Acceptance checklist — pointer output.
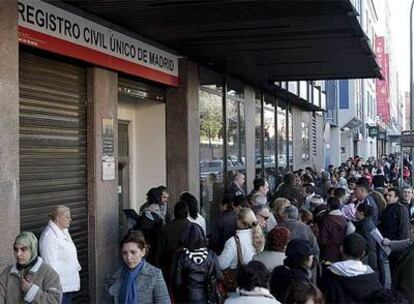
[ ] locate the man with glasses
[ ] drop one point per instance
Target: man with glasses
(264, 217)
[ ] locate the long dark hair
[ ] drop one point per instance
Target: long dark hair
(192, 237)
(191, 202)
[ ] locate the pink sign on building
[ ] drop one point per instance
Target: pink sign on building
(382, 86)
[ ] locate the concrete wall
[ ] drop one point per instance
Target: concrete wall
(9, 135)
(299, 116)
(335, 146)
(147, 147)
(348, 144)
(316, 161)
(102, 195)
(183, 133)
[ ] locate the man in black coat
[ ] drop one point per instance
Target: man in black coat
(395, 220)
(395, 223)
(350, 281)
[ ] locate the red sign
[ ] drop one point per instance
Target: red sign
(50, 28)
(382, 86)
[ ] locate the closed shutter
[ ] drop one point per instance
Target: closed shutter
(314, 130)
(53, 168)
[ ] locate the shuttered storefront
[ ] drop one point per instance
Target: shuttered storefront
(53, 168)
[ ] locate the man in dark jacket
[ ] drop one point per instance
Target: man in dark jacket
(225, 224)
(237, 186)
(395, 221)
(290, 190)
(298, 229)
(362, 195)
(407, 198)
(350, 281)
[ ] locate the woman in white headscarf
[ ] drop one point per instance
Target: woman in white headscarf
(29, 280)
(58, 250)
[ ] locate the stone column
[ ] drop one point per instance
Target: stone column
(183, 133)
(250, 113)
(102, 195)
(9, 135)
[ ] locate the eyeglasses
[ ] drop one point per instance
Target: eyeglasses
(264, 217)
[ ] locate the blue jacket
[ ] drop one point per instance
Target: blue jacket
(150, 285)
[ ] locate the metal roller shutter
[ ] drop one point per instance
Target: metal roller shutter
(53, 168)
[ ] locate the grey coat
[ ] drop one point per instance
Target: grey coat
(150, 285)
(46, 287)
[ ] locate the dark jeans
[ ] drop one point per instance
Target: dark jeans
(67, 297)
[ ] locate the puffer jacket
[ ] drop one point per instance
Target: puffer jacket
(46, 287)
(192, 272)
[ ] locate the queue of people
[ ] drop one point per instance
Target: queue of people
(339, 236)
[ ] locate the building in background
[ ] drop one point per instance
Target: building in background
(407, 125)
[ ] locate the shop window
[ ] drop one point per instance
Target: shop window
(211, 143)
(281, 138)
(258, 135)
(269, 142)
(236, 143)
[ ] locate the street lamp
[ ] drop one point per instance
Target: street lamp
(411, 89)
(411, 68)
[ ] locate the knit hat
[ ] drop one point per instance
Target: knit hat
(298, 249)
(28, 240)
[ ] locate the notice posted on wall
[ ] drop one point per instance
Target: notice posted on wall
(108, 170)
(108, 159)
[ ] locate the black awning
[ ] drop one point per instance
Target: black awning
(258, 41)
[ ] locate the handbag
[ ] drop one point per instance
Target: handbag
(215, 291)
(230, 275)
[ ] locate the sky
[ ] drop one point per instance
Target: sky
(400, 35)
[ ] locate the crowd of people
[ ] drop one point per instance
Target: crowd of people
(343, 235)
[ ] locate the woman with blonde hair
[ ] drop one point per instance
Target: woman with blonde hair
(249, 237)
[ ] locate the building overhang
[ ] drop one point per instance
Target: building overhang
(353, 123)
(257, 41)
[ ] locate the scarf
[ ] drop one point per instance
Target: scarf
(28, 240)
(129, 292)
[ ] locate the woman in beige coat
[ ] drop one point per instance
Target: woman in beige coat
(29, 280)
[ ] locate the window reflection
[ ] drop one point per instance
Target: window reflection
(269, 129)
(281, 139)
(258, 135)
(236, 139)
(211, 153)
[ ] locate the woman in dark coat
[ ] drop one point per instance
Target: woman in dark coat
(363, 226)
(194, 266)
(296, 269)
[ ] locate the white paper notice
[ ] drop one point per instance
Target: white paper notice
(108, 170)
(379, 238)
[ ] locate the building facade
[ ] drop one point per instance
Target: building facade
(94, 114)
